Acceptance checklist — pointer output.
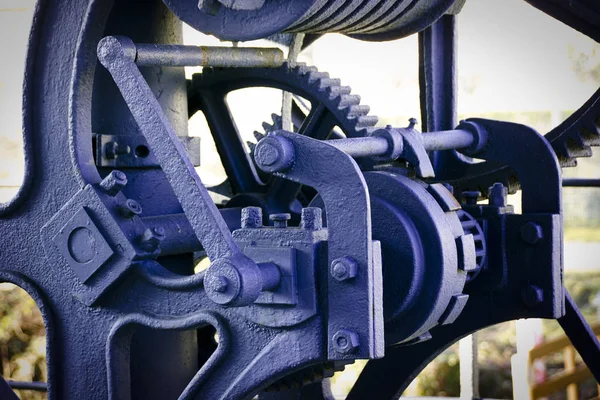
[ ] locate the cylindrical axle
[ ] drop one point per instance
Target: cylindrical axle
(375, 146)
(182, 56)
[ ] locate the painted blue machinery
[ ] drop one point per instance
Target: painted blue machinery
(380, 247)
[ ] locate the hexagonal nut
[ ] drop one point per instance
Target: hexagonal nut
(151, 238)
(531, 233)
(345, 341)
(344, 268)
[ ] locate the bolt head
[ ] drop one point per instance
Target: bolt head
(217, 283)
(130, 209)
(274, 153)
(267, 154)
(343, 269)
(531, 233)
(345, 341)
(114, 182)
(151, 239)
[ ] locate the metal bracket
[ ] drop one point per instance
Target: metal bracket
(133, 151)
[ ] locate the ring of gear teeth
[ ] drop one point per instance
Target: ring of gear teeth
(575, 137)
(352, 117)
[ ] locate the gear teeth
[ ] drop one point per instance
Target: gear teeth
(591, 137)
(277, 121)
(366, 121)
(267, 127)
(358, 110)
(329, 82)
(576, 150)
(349, 100)
(335, 91)
(313, 76)
(258, 135)
(352, 117)
(568, 162)
(251, 146)
(303, 69)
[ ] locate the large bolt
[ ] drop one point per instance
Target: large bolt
(274, 154)
(233, 281)
(280, 220)
(345, 341)
(311, 219)
(251, 217)
(532, 296)
(114, 149)
(343, 269)
(471, 197)
(114, 182)
(151, 239)
(130, 208)
(531, 233)
(498, 195)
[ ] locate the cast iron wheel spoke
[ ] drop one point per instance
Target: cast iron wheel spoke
(318, 123)
(232, 152)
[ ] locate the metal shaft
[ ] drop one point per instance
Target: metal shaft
(181, 56)
(362, 147)
(374, 146)
(448, 140)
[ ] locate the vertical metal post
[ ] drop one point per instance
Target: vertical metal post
(161, 361)
(437, 81)
(469, 368)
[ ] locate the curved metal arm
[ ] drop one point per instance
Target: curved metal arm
(336, 176)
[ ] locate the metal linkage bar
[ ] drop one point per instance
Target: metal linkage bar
(578, 182)
(35, 386)
(117, 55)
(151, 55)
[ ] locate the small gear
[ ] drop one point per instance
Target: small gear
(472, 227)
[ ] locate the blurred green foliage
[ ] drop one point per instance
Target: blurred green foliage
(22, 339)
